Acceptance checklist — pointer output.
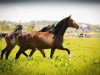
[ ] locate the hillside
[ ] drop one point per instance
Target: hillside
(85, 30)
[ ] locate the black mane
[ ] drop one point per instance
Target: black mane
(58, 27)
(47, 28)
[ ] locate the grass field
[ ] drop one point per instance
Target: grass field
(85, 60)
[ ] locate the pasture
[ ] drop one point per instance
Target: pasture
(85, 60)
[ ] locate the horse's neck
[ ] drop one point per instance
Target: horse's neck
(60, 28)
(14, 34)
(60, 32)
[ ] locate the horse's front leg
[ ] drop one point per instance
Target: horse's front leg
(62, 48)
(52, 52)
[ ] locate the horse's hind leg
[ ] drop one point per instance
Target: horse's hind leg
(32, 52)
(21, 50)
(3, 51)
(8, 51)
(42, 52)
(25, 54)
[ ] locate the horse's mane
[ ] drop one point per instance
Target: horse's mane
(58, 26)
(47, 28)
(43, 29)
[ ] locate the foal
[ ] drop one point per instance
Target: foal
(10, 39)
(46, 40)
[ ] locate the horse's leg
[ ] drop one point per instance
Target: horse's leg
(42, 52)
(9, 50)
(52, 52)
(62, 48)
(3, 51)
(21, 50)
(25, 54)
(32, 52)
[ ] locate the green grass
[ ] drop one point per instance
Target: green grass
(85, 60)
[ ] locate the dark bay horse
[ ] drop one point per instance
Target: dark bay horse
(10, 39)
(46, 40)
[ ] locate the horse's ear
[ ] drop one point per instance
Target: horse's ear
(69, 16)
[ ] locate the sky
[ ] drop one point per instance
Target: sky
(86, 11)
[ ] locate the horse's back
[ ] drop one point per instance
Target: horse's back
(37, 39)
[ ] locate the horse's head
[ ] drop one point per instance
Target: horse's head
(47, 28)
(72, 23)
(15, 33)
(18, 28)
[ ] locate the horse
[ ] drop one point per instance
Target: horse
(10, 39)
(46, 40)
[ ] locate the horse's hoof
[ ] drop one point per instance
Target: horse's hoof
(50, 58)
(69, 57)
(28, 57)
